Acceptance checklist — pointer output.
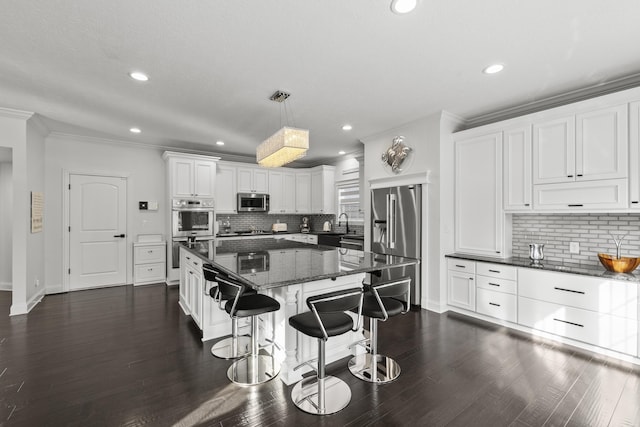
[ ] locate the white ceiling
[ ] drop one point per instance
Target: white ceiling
(214, 64)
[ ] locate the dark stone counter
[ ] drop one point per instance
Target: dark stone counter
(595, 270)
(265, 263)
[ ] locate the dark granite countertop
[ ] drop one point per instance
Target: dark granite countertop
(595, 270)
(289, 262)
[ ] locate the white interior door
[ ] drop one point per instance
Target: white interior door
(97, 220)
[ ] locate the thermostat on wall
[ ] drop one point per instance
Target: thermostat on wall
(148, 206)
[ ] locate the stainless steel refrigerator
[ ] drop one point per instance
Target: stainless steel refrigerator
(396, 229)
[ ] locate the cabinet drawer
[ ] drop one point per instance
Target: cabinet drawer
(149, 254)
(590, 293)
(149, 272)
(603, 194)
(464, 265)
(496, 304)
(616, 333)
(497, 270)
(193, 261)
(497, 285)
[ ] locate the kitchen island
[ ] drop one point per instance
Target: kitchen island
(286, 270)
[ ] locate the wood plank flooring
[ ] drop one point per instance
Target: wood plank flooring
(128, 357)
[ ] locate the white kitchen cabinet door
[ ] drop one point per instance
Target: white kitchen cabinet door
(196, 283)
(282, 195)
(517, 169)
(323, 190)
(226, 190)
(191, 177)
(479, 219)
(252, 180)
(461, 290)
(554, 151)
(577, 196)
(497, 304)
(634, 154)
(602, 144)
(303, 192)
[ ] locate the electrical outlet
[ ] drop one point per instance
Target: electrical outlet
(574, 247)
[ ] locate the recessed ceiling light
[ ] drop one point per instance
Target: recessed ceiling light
(135, 130)
(493, 68)
(347, 127)
(341, 152)
(139, 76)
(219, 142)
(403, 6)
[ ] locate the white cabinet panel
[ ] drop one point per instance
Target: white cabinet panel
(601, 295)
(517, 169)
(499, 271)
(149, 262)
(602, 144)
(204, 178)
(554, 151)
(226, 190)
(634, 154)
(191, 177)
(252, 180)
(282, 195)
(303, 192)
(496, 285)
(462, 290)
(496, 304)
(479, 219)
(461, 265)
(323, 190)
(616, 333)
(575, 196)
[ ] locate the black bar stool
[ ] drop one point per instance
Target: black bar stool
(381, 302)
(321, 394)
(235, 346)
(254, 368)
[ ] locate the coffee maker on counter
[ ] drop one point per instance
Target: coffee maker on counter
(304, 227)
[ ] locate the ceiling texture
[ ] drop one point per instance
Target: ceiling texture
(213, 65)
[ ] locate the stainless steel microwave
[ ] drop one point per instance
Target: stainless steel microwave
(253, 202)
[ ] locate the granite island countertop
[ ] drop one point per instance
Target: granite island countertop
(586, 269)
(280, 262)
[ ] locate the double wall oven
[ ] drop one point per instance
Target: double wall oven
(191, 220)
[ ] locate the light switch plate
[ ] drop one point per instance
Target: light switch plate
(153, 206)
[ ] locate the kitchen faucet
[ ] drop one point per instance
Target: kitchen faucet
(347, 220)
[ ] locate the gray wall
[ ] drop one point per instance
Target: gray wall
(590, 230)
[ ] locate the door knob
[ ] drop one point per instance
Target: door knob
(119, 235)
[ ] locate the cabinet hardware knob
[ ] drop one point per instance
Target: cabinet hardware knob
(577, 205)
(569, 323)
(579, 175)
(569, 176)
(568, 290)
(494, 284)
(460, 266)
(493, 303)
(495, 271)
(634, 202)
(149, 269)
(470, 278)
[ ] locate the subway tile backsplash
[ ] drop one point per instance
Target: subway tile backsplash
(262, 221)
(591, 231)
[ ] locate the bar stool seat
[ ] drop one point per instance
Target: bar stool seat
(236, 345)
(254, 368)
(322, 394)
(380, 303)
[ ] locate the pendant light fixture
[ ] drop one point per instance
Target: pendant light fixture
(287, 144)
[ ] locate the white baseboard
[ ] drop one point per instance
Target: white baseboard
(56, 289)
(5, 286)
(17, 309)
(436, 306)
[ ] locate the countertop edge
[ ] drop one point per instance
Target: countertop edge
(592, 270)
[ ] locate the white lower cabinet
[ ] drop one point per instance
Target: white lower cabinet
(497, 304)
(612, 332)
(149, 260)
(496, 289)
(461, 284)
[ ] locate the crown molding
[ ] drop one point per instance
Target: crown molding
(582, 94)
(15, 114)
(39, 125)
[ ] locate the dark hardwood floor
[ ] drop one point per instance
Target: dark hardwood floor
(128, 357)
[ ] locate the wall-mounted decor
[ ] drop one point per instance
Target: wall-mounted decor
(37, 204)
(396, 154)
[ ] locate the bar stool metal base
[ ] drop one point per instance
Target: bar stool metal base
(253, 370)
(305, 395)
(226, 349)
(374, 368)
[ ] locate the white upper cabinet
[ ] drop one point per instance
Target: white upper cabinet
(303, 192)
(588, 146)
(226, 190)
(479, 218)
(252, 180)
(634, 154)
(323, 190)
(554, 146)
(191, 177)
(517, 169)
(282, 195)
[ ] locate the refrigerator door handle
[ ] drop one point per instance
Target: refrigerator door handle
(391, 213)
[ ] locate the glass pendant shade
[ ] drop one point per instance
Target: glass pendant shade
(284, 146)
